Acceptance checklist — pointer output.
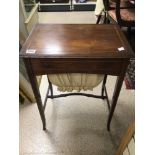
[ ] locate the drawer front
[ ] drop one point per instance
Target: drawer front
(49, 66)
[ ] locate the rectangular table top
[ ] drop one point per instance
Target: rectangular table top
(76, 41)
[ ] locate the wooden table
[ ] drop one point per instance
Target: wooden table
(79, 48)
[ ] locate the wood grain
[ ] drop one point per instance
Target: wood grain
(82, 41)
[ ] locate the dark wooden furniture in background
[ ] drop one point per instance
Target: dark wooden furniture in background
(110, 5)
(54, 1)
(66, 5)
(76, 49)
(124, 16)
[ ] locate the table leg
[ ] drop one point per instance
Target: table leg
(41, 111)
(98, 19)
(103, 85)
(35, 88)
(117, 89)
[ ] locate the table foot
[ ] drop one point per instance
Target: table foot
(108, 127)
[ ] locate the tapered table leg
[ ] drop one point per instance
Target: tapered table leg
(98, 19)
(41, 111)
(35, 88)
(103, 85)
(117, 89)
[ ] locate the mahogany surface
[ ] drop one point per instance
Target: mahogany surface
(76, 41)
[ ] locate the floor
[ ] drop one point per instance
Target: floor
(86, 17)
(75, 125)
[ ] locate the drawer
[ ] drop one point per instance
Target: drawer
(49, 66)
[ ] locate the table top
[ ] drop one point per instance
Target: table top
(76, 41)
